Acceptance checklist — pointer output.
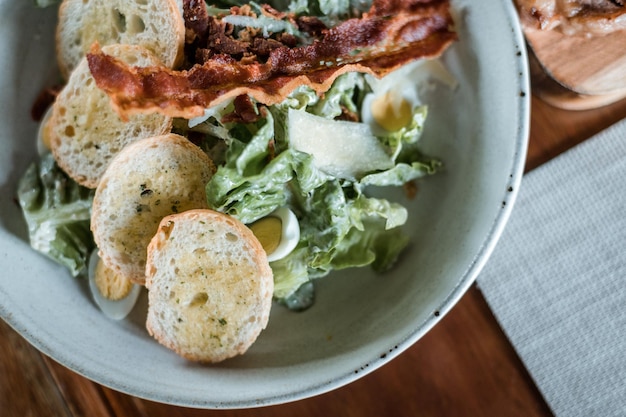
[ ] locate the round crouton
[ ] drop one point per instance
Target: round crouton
(146, 181)
(157, 25)
(85, 132)
(209, 286)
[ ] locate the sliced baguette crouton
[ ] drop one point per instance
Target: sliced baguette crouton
(157, 25)
(84, 130)
(146, 181)
(209, 286)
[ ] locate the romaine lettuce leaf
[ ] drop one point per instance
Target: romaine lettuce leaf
(373, 245)
(402, 172)
(340, 232)
(253, 182)
(290, 273)
(57, 211)
(340, 95)
(403, 143)
(340, 225)
(331, 10)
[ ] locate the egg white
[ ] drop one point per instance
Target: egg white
(118, 309)
(405, 84)
(290, 234)
(42, 148)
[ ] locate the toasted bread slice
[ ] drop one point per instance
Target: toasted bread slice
(85, 132)
(157, 25)
(146, 181)
(209, 286)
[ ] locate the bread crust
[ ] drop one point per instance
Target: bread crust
(86, 132)
(146, 181)
(157, 25)
(209, 286)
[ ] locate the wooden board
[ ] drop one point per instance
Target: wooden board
(579, 72)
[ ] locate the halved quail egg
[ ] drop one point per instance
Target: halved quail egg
(113, 293)
(43, 136)
(279, 233)
(392, 102)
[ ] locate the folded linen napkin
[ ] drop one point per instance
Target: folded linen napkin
(556, 281)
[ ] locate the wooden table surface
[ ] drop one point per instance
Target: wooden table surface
(464, 367)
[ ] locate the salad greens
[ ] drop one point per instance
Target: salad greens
(340, 225)
(57, 212)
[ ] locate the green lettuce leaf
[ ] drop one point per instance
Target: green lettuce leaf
(410, 162)
(373, 245)
(331, 10)
(402, 173)
(57, 211)
(290, 272)
(341, 95)
(363, 208)
(403, 143)
(252, 183)
(340, 225)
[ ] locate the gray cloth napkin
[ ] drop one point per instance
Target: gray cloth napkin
(556, 281)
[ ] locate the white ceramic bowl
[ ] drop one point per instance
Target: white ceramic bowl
(360, 321)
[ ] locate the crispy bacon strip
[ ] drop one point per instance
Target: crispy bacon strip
(391, 34)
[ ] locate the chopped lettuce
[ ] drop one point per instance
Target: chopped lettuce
(410, 162)
(57, 212)
(331, 10)
(342, 96)
(340, 225)
(290, 273)
(373, 245)
(252, 184)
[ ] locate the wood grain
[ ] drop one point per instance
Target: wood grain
(578, 72)
(587, 65)
(553, 130)
(465, 366)
(26, 384)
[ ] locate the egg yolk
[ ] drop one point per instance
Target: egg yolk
(111, 285)
(45, 134)
(390, 114)
(269, 231)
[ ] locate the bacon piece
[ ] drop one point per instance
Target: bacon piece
(245, 111)
(391, 34)
(196, 19)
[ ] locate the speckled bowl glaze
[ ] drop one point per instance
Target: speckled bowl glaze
(360, 320)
